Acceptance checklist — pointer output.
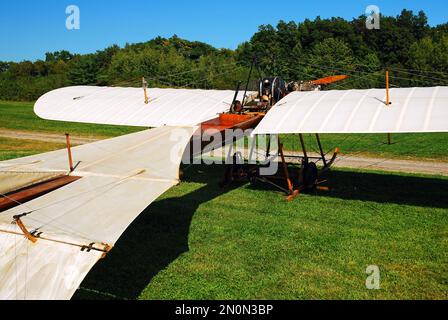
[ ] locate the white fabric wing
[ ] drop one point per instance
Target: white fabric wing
(43, 271)
(120, 177)
(126, 106)
(359, 111)
(15, 180)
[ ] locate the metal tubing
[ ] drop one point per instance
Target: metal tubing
(302, 142)
(285, 169)
(69, 150)
(321, 149)
(145, 86)
(247, 83)
(387, 88)
(232, 110)
(268, 149)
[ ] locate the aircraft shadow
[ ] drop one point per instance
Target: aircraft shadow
(389, 188)
(382, 188)
(160, 234)
(153, 241)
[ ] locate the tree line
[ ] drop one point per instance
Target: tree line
(415, 53)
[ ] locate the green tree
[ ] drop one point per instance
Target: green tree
(294, 50)
(63, 55)
(83, 71)
(4, 66)
(329, 57)
(430, 56)
(265, 46)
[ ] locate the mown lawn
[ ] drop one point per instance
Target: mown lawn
(20, 116)
(202, 242)
(15, 148)
(431, 146)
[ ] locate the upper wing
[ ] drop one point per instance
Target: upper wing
(359, 111)
(77, 223)
(126, 106)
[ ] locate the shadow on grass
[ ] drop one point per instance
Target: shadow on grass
(389, 188)
(160, 235)
(383, 188)
(156, 238)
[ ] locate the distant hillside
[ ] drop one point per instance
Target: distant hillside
(415, 53)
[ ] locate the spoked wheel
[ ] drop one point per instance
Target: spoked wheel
(310, 176)
(234, 171)
(238, 166)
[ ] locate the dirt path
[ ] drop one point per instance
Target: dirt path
(46, 137)
(393, 165)
(432, 167)
(344, 161)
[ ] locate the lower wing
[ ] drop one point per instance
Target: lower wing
(49, 244)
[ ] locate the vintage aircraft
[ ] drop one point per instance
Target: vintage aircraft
(62, 211)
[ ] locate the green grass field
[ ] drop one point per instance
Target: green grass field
(432, 146)
(202, 242)
(15, 148)
(20, 116)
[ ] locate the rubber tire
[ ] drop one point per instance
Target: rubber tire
(310, 176)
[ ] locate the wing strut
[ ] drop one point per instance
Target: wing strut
(22, 227)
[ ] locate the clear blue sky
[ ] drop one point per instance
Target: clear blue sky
(29, 28)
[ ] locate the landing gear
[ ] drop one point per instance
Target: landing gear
(310, 176)
(292, 179)
(235, 171)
